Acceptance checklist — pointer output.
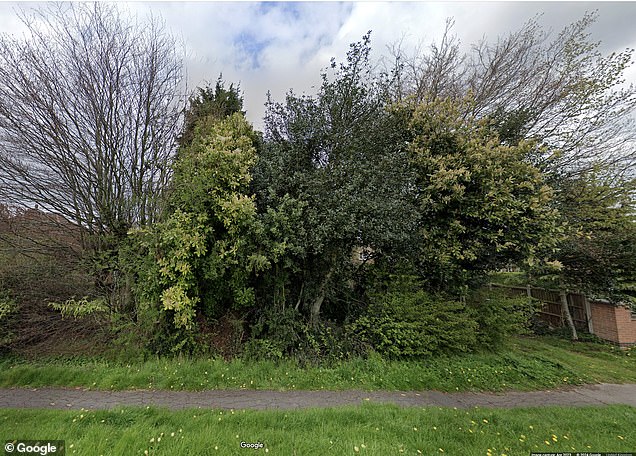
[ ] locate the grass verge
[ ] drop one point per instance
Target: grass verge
(527, 364)
(369, 429)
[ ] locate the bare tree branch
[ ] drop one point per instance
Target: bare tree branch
(89, 112)
(560, 91)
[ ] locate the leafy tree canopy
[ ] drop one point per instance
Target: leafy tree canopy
(558, 89)
(481, 204)
(215, 102)
(338, 158)
(599, 253)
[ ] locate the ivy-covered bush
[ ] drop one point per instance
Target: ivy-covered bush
(199, 259)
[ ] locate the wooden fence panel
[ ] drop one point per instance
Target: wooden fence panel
(576, 304)
(551, 312)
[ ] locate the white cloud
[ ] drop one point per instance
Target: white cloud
(278, 46)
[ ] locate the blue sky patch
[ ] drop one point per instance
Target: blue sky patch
(289, 9)
(251, 46)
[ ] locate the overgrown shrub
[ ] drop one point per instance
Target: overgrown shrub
(285, 333)
(498, 316)
(415, 324)
(276, 334)
(403, 321)
(336, 343)
(200, 257)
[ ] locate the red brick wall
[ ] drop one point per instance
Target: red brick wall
(626, 326)
(613, 323)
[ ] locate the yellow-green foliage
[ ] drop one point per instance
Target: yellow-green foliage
(7, 305)
(80, 308)
(176, 299)
(482, 203)
(203, 249)
(213, 172)
(182, 238)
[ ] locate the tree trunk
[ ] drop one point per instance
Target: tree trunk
(300, 296)
(566, 312)
(315, 306)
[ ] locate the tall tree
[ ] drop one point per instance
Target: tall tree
(200, 258)
(89, 111)
(335, 158)
(598, 255)
(559, 90)
(481, 204)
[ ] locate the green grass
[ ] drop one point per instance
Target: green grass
(369, 429)
(527, 364)
(599, 362)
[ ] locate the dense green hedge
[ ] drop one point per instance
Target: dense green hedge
(416, 324)
(407, 324)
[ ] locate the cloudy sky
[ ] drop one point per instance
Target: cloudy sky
(278, 46)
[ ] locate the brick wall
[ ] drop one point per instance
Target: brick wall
(613, 323)
(626, 326)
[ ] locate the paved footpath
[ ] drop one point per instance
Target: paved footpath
(72, 399)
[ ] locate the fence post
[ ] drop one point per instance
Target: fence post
(588, 314)
(568, 316)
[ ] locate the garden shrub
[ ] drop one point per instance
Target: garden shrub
(285, 333)
(277, 333)
(498, 316)
(415, 324)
